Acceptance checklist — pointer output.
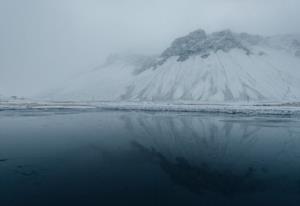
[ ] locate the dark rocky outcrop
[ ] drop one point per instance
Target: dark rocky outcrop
(198, 42)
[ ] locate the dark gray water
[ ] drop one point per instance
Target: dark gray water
(140, 158)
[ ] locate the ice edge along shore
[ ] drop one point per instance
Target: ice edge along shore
(246, 109)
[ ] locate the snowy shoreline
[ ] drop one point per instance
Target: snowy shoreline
(247, 109)
(289, 109)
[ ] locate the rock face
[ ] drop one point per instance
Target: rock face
(199, 43)
(295, 45)
(218, 67)
(185, 46)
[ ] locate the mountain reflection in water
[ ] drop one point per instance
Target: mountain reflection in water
(229, 155)
(144, 158)
(201, 179)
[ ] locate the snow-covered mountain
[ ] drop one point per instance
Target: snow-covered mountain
(218, 67)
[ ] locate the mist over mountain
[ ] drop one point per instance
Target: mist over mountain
(223, 66)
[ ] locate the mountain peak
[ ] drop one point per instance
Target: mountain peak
(225, 67)
(197, 35)
(200, 43)
(186, 45)
(223, 33)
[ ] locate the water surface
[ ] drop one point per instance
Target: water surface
(141, 158)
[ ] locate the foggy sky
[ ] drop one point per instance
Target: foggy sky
(44, 42)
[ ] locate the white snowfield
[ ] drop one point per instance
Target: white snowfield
(223, 67)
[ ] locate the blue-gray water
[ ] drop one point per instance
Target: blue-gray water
(140, 158)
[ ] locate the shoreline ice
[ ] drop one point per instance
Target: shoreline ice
(247, 109)
(193, 107)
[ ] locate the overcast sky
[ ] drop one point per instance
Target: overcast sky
(43, 42)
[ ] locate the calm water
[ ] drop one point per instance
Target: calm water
(140, 158)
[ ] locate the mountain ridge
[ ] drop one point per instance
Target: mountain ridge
(222, 66)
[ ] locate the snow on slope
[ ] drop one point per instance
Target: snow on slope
(218, 67)
(221, 77)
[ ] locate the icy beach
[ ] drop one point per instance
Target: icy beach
(234, 108)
